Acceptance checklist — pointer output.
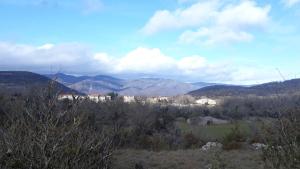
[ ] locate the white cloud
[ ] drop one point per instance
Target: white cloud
(78, 59)
(19, 56)
(46, 46)
(192, 63)
(290, 3)
(214, 35)
(212, 21)
(144, 60)
(195, 15)
(244, 15)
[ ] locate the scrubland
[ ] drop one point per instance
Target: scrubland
(38, 131)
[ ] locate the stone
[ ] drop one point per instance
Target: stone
(211, 145)
(259, 146)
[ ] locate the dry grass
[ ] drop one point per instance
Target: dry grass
(186, 159)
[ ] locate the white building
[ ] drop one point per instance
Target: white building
(93, 97)
(104, 98)
(128, 99)
(206, 101)
(98, 98)
(163, 99)
(154, 100)
(66, 96)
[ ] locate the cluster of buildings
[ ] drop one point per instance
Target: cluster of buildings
(94, 97)
(151, 100)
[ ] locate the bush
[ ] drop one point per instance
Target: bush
(191, 141)
(234, 139)
(283, 140)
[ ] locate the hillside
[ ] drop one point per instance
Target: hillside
(22, 81)
(286, 87)
(142, 87)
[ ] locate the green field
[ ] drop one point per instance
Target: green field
(213, 132)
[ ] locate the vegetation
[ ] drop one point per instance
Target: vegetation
(234, 139)
(283, 140)
(39, 131)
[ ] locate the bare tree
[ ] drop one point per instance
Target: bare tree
(50, 134)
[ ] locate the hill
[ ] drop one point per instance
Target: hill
(273, 88)
(22, 81)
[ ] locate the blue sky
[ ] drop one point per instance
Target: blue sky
(228, 41)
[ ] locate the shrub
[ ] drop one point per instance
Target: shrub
(191, 141)
(234, 139)
(283, 140)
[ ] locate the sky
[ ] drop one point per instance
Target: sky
(223, 41)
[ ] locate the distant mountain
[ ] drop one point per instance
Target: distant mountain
(204, 84)
(22, 81)
(286, 87)
(156, 87)
(66, 79)
(139, 87)
(91, 86)
(100, 84)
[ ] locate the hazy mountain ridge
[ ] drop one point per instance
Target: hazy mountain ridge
(142, 87)
(102, 84)
(272, 88)
(156, 87)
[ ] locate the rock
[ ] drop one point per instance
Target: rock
(259, 146)
(211, 145)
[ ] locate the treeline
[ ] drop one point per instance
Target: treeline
(238, 108)
(271, 106)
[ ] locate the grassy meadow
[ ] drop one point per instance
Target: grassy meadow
(213, 132)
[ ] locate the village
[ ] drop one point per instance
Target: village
(178, 101)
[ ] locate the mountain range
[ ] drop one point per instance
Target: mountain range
(272, 88)
(102, 84)
(20, 81)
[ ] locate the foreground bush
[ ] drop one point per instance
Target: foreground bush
(46, 134)
(283, 140)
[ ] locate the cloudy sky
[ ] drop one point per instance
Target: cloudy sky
(227, 41)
